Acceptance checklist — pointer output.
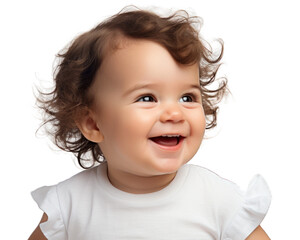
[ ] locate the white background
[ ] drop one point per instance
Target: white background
(259, 125)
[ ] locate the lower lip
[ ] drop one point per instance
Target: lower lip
(170, 148)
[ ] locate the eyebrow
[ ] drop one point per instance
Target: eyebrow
(196, 86)
(137, 87)
(149, 85)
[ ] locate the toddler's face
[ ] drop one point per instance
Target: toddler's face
(148, 109)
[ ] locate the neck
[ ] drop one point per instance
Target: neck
(139, 184)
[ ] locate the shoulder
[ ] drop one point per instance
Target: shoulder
(238, 212)
(82, 178)
(206, 174)
(224, 194)
(63, 203)
(215, 184)
(75, 185)
(79, 186)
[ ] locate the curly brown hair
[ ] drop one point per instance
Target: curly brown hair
(79, 62)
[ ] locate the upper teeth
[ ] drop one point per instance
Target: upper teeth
(170, 135)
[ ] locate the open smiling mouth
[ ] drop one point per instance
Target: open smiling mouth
(167, 140)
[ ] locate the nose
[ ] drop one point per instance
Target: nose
(171, 112)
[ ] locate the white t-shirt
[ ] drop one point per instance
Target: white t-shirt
(197, 204)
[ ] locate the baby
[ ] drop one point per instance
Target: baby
(132, 94)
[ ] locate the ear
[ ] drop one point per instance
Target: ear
(88, 126)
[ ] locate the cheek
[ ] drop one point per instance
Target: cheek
(202, 123)
(126, 123)
(108, 120)
(135, 122)
(198, 122)
(128, 134)
(198, 125)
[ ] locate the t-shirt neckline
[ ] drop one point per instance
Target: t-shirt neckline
(153, 197)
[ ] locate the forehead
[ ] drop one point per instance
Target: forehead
(142, 61)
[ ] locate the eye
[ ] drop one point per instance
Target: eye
(146, 99)
(187, 98)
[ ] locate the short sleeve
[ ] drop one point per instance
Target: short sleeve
(47, 200)
(254, 207)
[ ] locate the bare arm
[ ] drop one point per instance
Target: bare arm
(258, 234)
(37, 234)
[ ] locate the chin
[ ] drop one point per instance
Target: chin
(168, 166)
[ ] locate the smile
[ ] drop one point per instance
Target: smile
(168, 142)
